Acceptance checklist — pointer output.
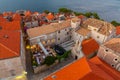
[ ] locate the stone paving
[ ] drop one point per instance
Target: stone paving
(41, 75)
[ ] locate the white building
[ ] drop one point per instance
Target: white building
(31, 24)
(55, 33)
(101, 31)
(110, 53)
(81, 34)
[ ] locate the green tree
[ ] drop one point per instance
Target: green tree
(46, 11)
(88, 14)
(64, 10)
(78, 13)
(65, 55)
(115, 23)
(95, 15)
(49, 60)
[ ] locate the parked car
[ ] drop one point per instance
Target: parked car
(59, 50)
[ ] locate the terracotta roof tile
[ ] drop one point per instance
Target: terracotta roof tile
(81, 16)
(113, 44)
(81, 69)
(2, 19)
(37, 31)
(50, 16)
(28, 13)
(105, 67)
(16, 17)
(8, 13)
(83, 31)
(89, 46)
(104, 27)
(75, 19)
(9, 44)
(14, 25)
(118, 30)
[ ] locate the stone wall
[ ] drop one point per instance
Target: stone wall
(43, 67)
(10, 67)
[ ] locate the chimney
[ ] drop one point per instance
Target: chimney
(6, 36)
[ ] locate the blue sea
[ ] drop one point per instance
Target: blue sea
(108, 9)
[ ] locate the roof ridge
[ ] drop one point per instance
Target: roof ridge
(9, 49)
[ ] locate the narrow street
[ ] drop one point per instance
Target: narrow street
(29, 65)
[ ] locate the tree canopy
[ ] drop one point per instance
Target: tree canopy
(115, 23)
(46, 11)
(64, 10)
(49, 60)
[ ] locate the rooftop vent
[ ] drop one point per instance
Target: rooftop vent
(53, 76)
(5, 36)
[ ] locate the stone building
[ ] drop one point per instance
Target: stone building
(110, 53)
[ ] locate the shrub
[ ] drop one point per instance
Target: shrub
(49, 60)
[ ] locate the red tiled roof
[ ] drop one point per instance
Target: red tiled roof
(50, 16)
(118, 30)
(14, 25)
(36, 13)
(28, 13)
(16, 17)
(89, 46)
(81, 16)
(113, 44)
(2, 19)
(105, 67)
(9, 44)
(7, 13)
(81, 69)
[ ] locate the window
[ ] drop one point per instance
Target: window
(98, 37)
(58, 38)
(112, 65)
(65, 29)
(115, 59)
(67, 33)
(94, 29)
(106, 50)
(48, 41)
(53, 40)
(58, 31)
(44, 42)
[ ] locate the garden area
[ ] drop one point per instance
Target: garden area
(41, 62)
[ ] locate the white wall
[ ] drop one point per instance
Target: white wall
(45, 39)
(109, 56)
(75, 24)
(28, 24)
(100, 38)
(63, 36)
(92, 28)
(32, 24)
(35, 23)
(22, 52)
(76, 36)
